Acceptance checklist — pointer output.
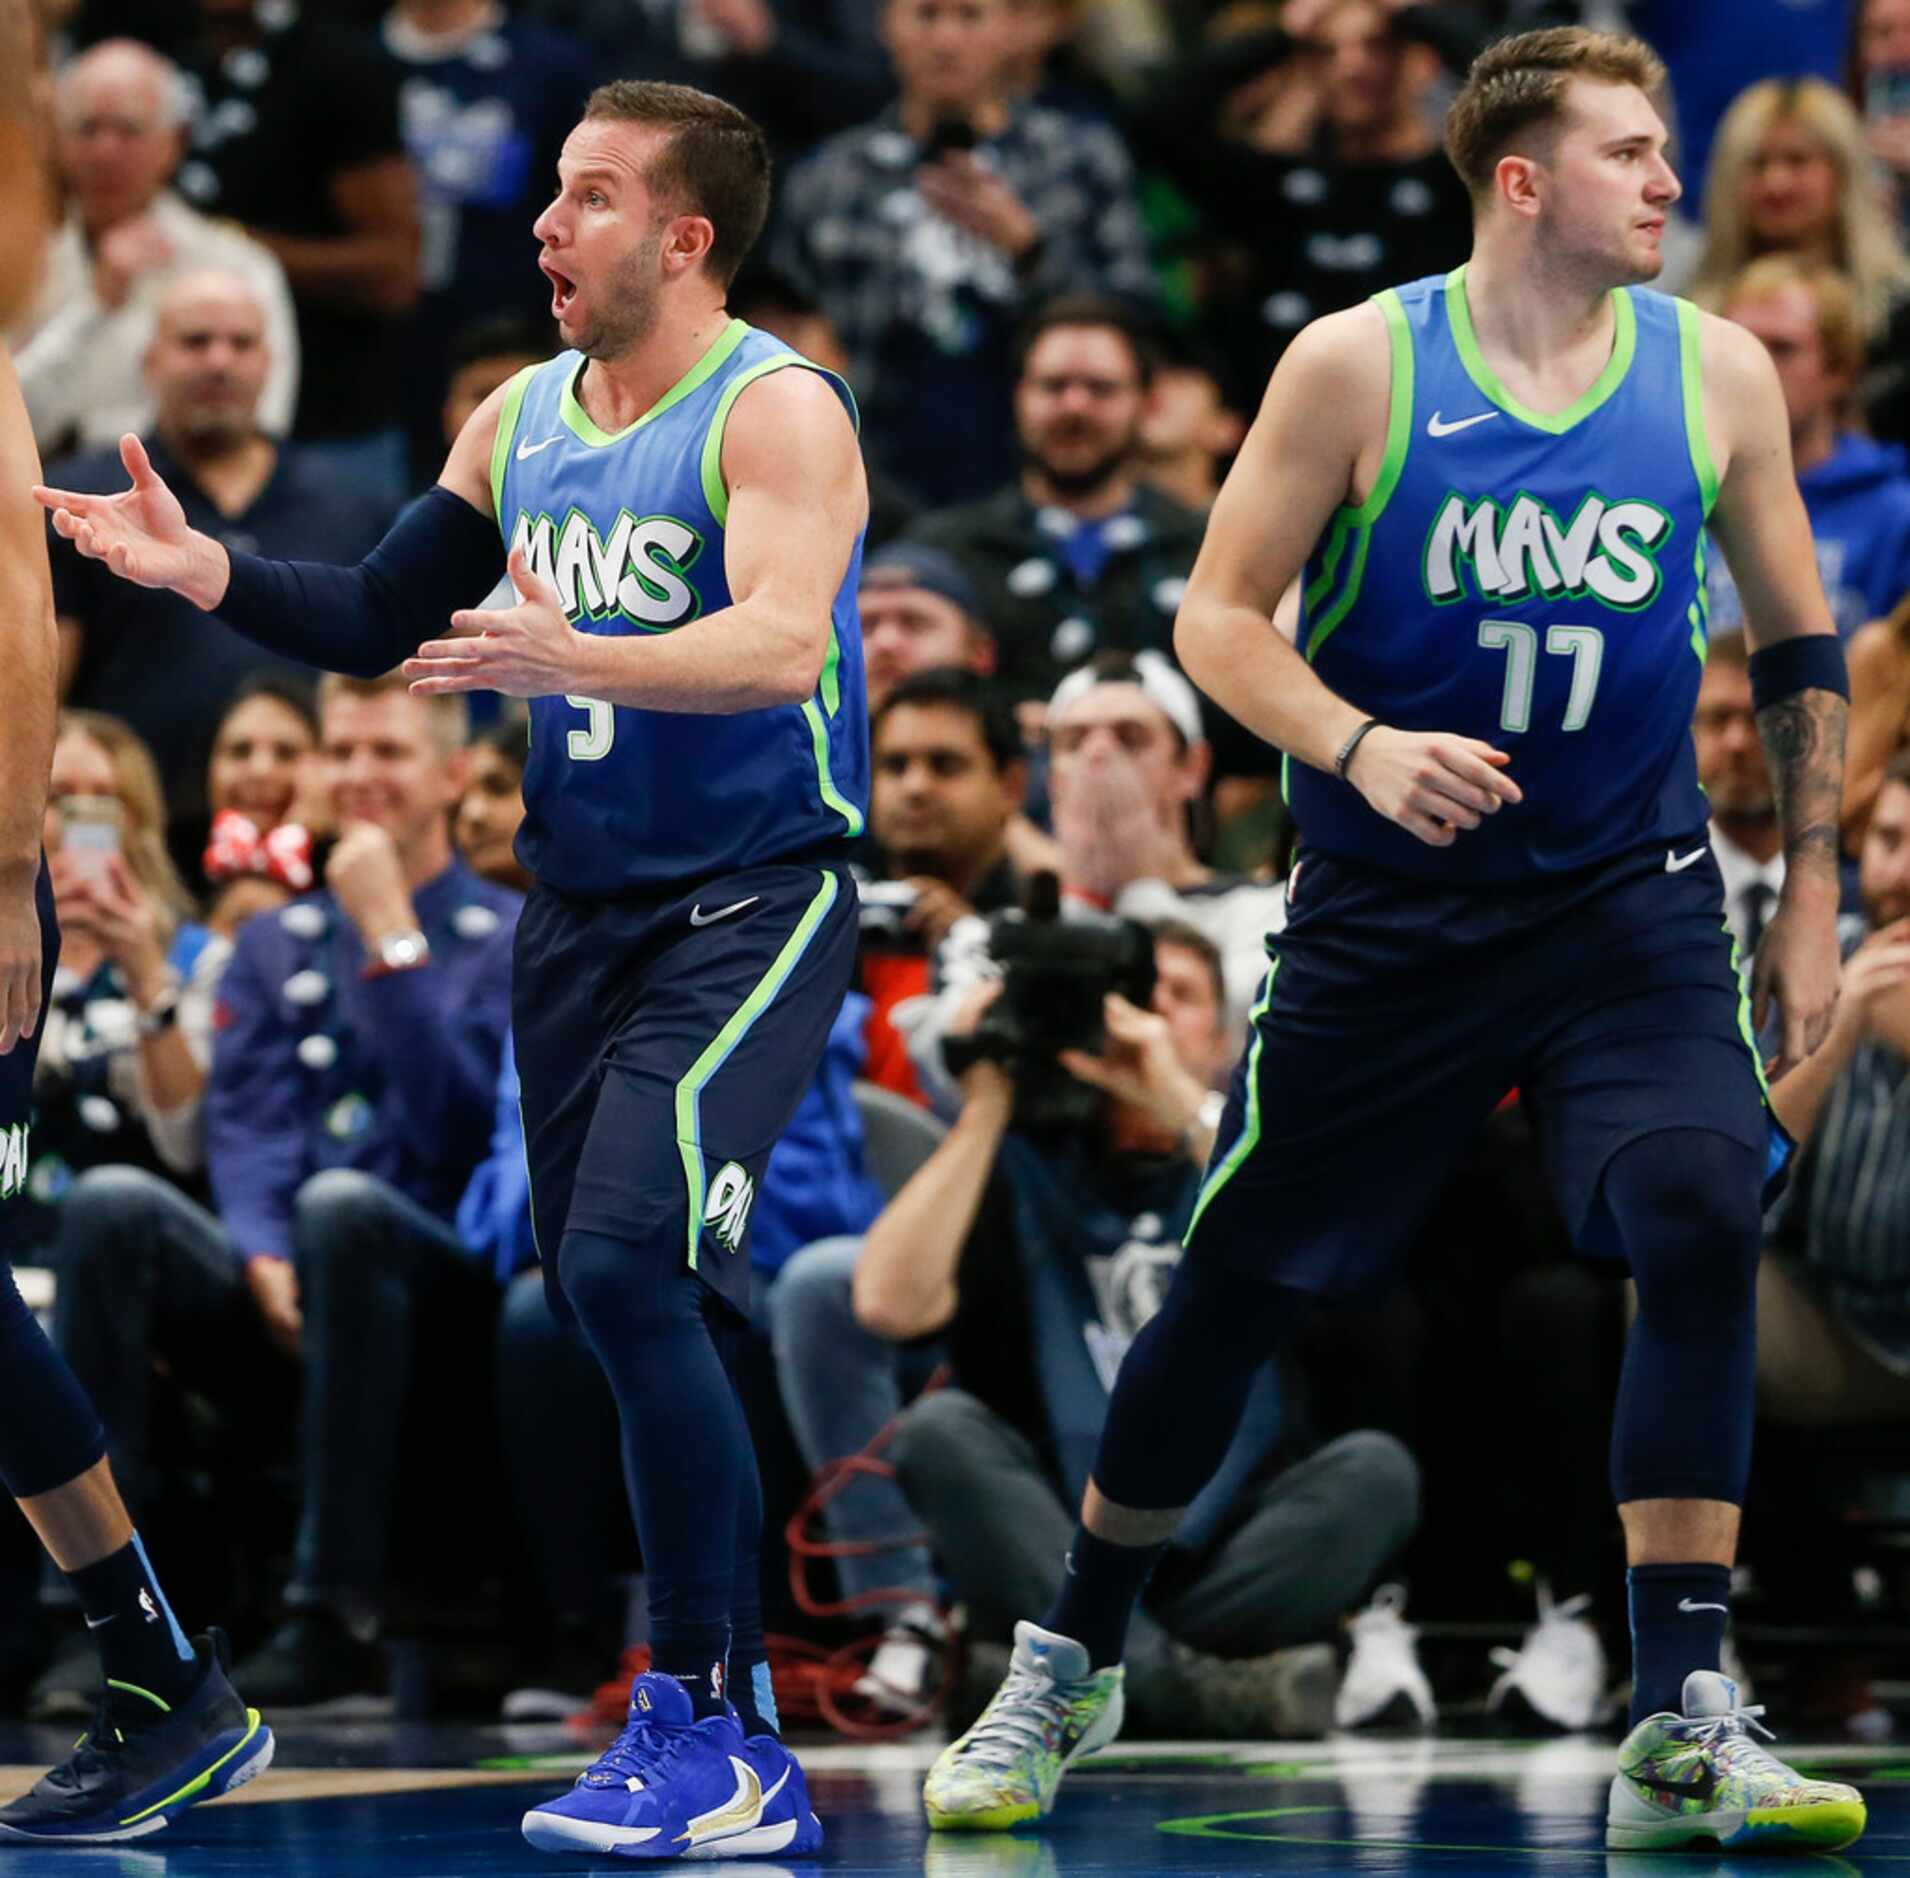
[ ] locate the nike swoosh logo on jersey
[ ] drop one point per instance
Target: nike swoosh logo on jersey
(1685, 1604)
(1436, 427)
(1677, 863)
(700, 918)
(531, 449)
(99, 1623)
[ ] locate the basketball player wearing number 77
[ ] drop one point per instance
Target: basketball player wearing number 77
(683, 503)
(1495, 489)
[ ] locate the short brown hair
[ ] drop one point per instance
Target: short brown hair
(1728, 648)
(1088, 310)
(1517, 88)
(446, 711)
(1840, 321)
(714, 164)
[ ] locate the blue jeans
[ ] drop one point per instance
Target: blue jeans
(840, 1385)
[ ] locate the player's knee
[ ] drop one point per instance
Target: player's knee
(1688, 1206)
(623, 1291)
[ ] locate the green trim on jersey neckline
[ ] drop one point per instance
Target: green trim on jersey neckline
(1624, 345)
(582, 426)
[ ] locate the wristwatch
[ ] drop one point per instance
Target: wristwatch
(1213, 1105)
(400, 952)
(160, 1016)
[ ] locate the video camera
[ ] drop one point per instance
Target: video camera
(1056, 973)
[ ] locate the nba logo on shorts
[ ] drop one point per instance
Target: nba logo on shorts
(726, 1212)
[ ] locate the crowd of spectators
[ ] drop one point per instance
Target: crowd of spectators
(1055, 246)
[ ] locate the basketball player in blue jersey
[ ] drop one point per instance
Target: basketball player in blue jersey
(169, 1730)
(1494, 489)
(682, 501)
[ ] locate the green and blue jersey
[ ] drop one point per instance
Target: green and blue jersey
(1533, 581)
(629, 527)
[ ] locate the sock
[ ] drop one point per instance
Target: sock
(753, 1696)
(703, 1673)
(1678, 1615)
(1098, 1593)
(140, 1642)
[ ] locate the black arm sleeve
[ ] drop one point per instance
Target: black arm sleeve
(439, 555)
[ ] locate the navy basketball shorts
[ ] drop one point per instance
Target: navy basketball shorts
(1399, 1013)
(16, 1073)
(663, 1042)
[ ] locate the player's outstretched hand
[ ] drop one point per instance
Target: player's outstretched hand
(19, 959)
(524, 651)
(1431, 784)
(141, 533)
(1797, 965)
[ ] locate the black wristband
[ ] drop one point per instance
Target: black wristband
(1352, 743)
(1810, 662)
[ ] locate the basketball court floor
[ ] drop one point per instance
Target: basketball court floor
(397, 1802)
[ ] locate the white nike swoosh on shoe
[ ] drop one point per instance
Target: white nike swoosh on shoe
(700, 918)
(738, 1813)
(525, 450)
(1436, 427)
(1685, 1604)
(1677, 863)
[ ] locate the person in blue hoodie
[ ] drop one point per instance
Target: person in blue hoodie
(1856, 489)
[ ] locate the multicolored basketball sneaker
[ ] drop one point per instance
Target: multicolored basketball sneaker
(1051, 1710)
(671, 1786)
(1699, 1777)
(142, 1763)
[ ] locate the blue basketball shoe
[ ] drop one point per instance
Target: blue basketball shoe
(670, 1786)
(142, 1763)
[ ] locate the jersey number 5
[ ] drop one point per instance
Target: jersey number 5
(592, 743)
(1583, 645)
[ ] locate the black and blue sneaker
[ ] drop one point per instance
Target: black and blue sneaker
(143, 1763)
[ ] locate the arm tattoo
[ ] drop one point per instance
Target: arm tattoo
(1803, 739)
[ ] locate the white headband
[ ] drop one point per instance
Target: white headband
(1155, 674)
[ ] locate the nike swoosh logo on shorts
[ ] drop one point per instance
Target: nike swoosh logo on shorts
(99, 1623)
(1436, 427)
(1677, 863)
(531, 449)
(1685, 1604)
(700, 918)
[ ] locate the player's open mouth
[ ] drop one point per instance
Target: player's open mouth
(564, 289)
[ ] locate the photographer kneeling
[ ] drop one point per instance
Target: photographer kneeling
(1037, 1239)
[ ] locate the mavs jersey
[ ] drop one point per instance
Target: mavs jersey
(629, 529)
(1535, 582)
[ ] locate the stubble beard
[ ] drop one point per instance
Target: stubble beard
(629, 313)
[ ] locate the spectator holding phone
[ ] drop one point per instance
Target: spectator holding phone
(129, 1028)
